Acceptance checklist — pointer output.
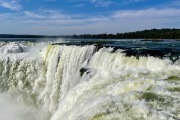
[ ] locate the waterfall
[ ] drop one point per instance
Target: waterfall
(83, 83)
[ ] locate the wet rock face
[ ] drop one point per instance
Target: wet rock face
(84, 70)
(12, 47)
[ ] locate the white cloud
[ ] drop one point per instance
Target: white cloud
(52, 0)
(79, 5)
(101, 3)
(97, 3)
(148, 13)
(135, 0)
(4, 17)
(55, 22)
(33, 15)
(46, 14)
(174, 3)
(132, 1)
(13, 4)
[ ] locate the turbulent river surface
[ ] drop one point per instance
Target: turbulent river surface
(89, 79)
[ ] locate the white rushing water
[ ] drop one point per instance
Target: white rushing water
(59, 82)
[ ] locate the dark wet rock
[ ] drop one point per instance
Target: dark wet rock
(84, 70)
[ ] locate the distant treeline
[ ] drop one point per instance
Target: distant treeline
(144, 34)
(21, 36)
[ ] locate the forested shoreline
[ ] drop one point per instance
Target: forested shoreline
(144, 34)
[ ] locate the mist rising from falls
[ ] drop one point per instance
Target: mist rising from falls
(80, 83)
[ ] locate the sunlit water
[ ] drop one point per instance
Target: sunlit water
(124, 80)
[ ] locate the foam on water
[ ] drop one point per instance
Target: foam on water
(80, 83)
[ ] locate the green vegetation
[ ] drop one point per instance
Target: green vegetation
(152, 34)
(150, 96)
(99, 116)
(174, 89)
(173, 78)
(21, 36)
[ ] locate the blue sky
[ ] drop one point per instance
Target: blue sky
(66, 17)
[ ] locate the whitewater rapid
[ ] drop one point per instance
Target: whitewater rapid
(68, 82)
